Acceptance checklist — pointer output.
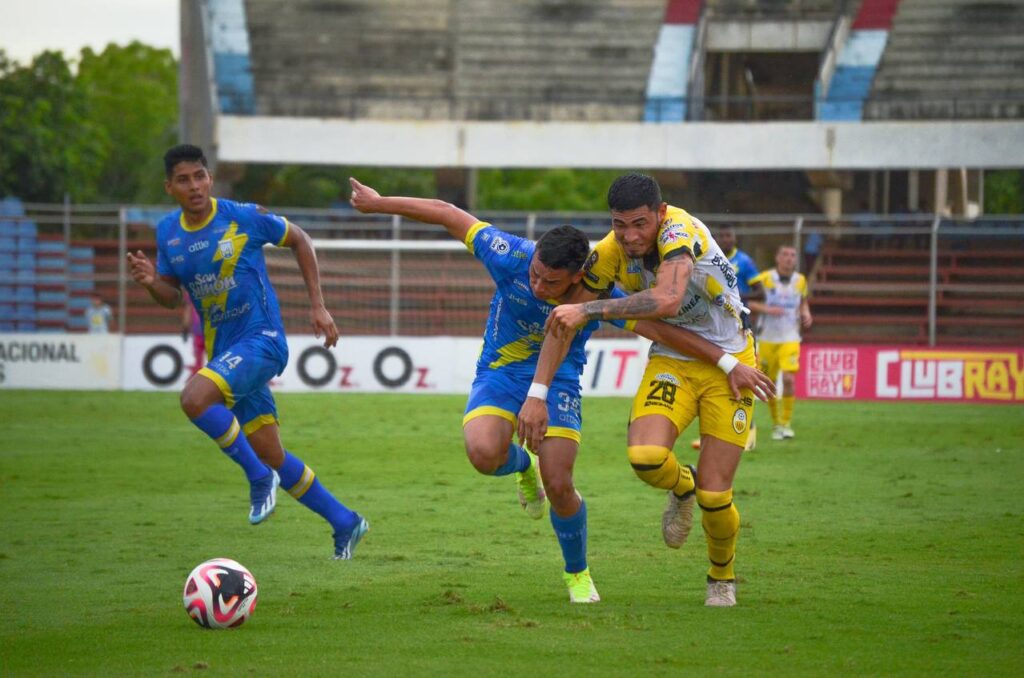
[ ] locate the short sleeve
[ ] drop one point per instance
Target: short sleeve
(602, 266)
(501, 253)
(804, 291)
(749, 273)
(676, 238)
(264, 226)
(163, 266)
(760, 278)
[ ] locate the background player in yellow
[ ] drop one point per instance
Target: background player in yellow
(784, 311)
(675, 271)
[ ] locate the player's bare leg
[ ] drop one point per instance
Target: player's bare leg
(203, 401)
(568, 515)
(788, 400)
(651, 439)
(720, 518)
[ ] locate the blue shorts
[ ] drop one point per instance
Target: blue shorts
(500, 393)
(241, 372)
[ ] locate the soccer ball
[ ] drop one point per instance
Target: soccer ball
(220, 594)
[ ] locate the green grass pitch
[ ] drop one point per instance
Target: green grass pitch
(885, 539)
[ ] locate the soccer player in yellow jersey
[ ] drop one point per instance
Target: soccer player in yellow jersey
(676, 271)
(784, 311)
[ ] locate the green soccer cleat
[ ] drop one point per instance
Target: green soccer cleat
(581, 587)
(531, 490)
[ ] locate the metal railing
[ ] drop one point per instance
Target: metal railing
(945, 280)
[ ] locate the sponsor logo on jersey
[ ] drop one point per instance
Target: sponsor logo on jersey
(500, 245)
(634, 266)
(673, 233)
(174, 242)
(723, 265)
(198, 246)
(178, 259)
(665, 376)
(209, 284)
(517, 299)
(218, 315)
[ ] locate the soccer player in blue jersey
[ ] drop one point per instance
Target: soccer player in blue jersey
(531, 278)
(213, 250)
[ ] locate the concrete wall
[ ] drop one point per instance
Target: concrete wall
(691, 146)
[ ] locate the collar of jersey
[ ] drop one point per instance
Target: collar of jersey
(191, 229)
(731, 254)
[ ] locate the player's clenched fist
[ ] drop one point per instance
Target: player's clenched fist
(142, 270)
(565, 319)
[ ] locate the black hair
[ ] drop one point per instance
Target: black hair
(183, 153)
(564, 247)
(634, 190)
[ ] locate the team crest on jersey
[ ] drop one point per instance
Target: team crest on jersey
(739, 421)
(673, 233)
(500, 245)
(227, 249)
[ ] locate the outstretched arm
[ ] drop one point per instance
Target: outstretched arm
(302, 247)
(455, 220)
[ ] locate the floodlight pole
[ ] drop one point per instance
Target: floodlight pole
(122, 269)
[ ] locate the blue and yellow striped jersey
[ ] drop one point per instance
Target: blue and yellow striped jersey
(220, 264)
(515, 324)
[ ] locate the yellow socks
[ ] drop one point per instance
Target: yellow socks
(721, 523)
(658, 467)
(787, 409)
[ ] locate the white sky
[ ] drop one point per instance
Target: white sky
(27, 27)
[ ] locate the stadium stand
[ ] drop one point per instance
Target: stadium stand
(669, 78)
(420, 59)
(858, 61)
(952, 59)
(880, 292)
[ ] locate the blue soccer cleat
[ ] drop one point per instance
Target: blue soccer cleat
(263, 496)
(345, 542)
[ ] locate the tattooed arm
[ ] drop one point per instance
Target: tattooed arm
(661, 301)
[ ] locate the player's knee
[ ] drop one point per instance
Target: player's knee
(788, 382)
(192, 403)
(647, 457)
(484, 456)
(559, 489)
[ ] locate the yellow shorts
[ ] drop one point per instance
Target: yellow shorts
(684, 389)
(775, 357)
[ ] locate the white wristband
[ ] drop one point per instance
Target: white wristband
(727, 362)
(538, 391)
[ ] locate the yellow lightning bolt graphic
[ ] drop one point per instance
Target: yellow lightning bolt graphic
(227, 270)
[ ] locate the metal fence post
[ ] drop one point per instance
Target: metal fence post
(531, 226)
(122, 269)
(798, 229)
(396, 262)
(933, 281)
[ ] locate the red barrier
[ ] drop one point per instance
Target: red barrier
(911, 373)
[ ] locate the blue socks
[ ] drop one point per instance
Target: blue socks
(517, 462)
(300, 482)
(220, 424)
(572, 537)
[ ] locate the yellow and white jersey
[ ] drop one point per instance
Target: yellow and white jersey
(711, 307)
(787, 295)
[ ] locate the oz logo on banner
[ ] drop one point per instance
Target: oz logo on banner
(392, 368)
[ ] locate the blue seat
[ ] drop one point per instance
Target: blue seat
(51, 246)
(8, 244)
(29, 326)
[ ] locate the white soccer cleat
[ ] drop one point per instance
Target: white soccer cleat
(720, 593)
(787, 432)
(677, 520)
(777, 433)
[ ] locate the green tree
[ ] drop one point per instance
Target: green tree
(131, 93)
(50, 145)
(326, 186)
(554, 189)
(1004, 192)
